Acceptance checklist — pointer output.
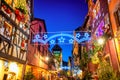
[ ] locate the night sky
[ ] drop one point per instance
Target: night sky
(61, 15)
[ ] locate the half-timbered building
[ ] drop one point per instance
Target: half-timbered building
(15, 17)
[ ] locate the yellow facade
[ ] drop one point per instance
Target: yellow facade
(1, 69)
(10, 70)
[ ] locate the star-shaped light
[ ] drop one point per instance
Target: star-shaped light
(86, 35)
(61, 40)
(71, 41)
(37, 36)
(45, 36)
(78, 35)
(52, 42)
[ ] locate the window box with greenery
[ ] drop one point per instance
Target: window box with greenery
(21, 10)
(6, 7)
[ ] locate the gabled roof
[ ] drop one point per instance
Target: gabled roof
(42, 20)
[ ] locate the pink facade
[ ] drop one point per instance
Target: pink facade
(36, 51)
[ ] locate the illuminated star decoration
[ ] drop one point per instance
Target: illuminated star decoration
(61, 40)
(78, 35)
(86, 35)
(71, 41)
(52, 42)
(36, 38)
(45, 36)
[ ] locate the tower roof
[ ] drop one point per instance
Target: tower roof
(56, 47)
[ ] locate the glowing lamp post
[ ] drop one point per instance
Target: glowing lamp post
(101, 41)
(47, 58)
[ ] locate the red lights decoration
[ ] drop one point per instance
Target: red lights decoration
(23, 44)
(22, 18)
(19, 15)
(8, 11)
(16, 11)
(4, 7)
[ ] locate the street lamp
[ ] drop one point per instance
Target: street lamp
(101, 41)
(47, 58)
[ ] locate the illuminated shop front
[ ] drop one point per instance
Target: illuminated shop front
(10, 70)
(38, 72)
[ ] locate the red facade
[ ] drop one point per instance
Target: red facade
(36, 51)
